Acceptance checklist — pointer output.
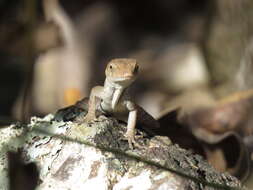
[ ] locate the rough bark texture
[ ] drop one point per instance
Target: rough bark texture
(228, 33)
(66, 164)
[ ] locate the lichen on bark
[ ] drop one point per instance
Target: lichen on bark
(66, 160)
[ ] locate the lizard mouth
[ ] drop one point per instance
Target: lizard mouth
(125, 78)
(125, 81)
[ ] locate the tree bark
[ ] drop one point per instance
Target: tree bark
(66, 161)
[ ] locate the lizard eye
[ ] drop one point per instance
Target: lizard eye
(110, 66)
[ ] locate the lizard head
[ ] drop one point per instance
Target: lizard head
(122, 71)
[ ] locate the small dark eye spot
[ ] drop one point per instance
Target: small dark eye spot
(110, 66)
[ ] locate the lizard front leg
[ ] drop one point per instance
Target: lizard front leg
(96, 93)
(131, 123)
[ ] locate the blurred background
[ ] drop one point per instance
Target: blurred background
(61, 48)
(193, 54)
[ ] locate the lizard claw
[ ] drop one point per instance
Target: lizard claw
(130, 136)
(79, 119)
(88, 118)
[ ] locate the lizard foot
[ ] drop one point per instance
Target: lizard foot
(131, 137)
(88, 118)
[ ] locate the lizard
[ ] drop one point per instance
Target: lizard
(113, 99)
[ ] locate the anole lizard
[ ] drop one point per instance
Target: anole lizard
(113, 99)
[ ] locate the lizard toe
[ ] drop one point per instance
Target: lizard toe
(80, 119)
(131, 138)
(88, 118)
